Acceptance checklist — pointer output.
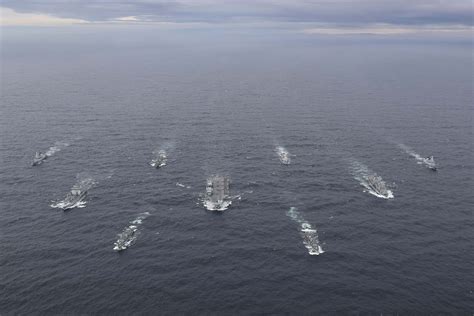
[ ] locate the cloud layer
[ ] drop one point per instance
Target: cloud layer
(358, 13)
(10, 17)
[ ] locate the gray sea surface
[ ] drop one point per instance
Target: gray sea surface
(221, 108)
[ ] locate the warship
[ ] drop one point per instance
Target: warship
(375, 184)
(38, 159)
(159, 161)
(307, 232)
(430, 163)
(310, 239)
(73, 198)
(217, 193)
(284, 156)
(125, 238)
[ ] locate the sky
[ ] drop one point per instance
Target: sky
(306, 16)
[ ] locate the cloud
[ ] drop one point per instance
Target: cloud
(131, 18)
(9, 17)
(334, 12)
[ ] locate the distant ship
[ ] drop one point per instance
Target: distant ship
(285, 158)
(310, 239)
(38, 159)
(125, 238)
(283, 155)
(377, 185)
(159, 161)
(430, 163)
(73, 198)
(307, 232)
(217, 193)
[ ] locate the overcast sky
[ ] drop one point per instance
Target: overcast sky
(308, 15)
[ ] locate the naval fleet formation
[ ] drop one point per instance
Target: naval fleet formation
(217, 197)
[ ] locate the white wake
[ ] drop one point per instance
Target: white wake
(426, 161)
(56, 147)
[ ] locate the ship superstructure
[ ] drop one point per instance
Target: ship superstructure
(38, 158)
(217, 193)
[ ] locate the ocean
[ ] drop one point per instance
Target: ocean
(305, 237)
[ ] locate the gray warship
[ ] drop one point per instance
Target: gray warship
(73, 198)
(283, 155)
(159, 161)
(376, 184)
(430, 163)
(125, 238)
(310, 239)
(39, 158)
(217, 193)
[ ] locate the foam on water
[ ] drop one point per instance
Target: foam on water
(220, 206)
(214, 206)
(365, 176)
(41, 157)
(182, 185)
(140, 218)
(57, 147)
(167, 146)
(283, 155)
(129, 234)
(85, 181)
(65, 204)
(307, 232)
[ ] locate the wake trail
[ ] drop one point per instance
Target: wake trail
(427, 162)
